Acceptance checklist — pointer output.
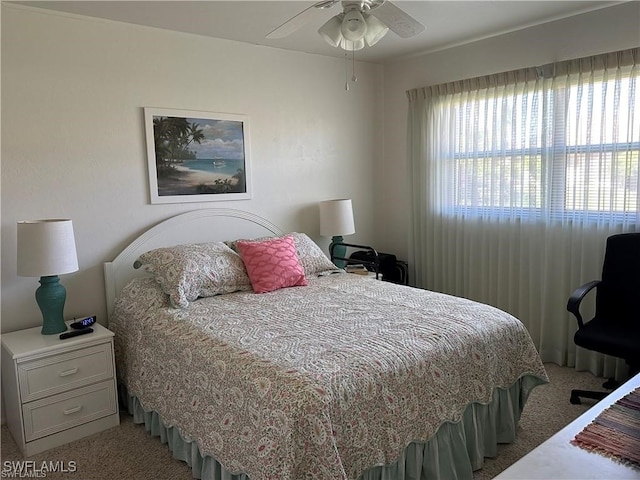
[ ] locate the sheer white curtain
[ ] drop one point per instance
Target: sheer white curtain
(517, 179)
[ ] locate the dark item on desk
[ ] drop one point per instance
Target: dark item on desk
(615, 328)
(83, 322)
(391, 269)
(75, 333)
(385, 265)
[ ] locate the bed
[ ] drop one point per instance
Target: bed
(338, 376)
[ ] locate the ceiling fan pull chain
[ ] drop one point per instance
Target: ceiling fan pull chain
(353, 65)
(346, 72)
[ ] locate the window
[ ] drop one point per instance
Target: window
(559, 147)
(516, 180)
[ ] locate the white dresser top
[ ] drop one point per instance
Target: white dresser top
(31, 342)
(557, 459)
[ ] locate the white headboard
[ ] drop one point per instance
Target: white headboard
(198, 226)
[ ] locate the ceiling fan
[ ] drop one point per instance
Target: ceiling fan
(361, 22)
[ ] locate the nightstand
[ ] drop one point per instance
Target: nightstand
(57, 391)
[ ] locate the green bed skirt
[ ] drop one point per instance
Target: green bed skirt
(453, 453)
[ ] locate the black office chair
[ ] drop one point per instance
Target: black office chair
(615, 328)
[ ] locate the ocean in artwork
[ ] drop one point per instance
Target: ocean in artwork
(204, 176)
(221, 166)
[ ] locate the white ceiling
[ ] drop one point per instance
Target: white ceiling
(448, 23)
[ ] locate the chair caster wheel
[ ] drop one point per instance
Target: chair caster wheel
(575, 400)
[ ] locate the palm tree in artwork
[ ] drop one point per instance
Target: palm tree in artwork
(160, 141)
(172, 137)
(195, 133)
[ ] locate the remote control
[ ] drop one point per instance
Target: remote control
(75, 333)
(83, 322)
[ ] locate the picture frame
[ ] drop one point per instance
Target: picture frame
(196, 156)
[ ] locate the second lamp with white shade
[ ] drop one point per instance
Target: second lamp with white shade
(336, 220)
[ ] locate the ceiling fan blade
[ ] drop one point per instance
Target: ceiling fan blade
(297, 21)
(398, 21)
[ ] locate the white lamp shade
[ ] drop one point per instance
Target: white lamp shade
(46, 247)
(330, 31)
(336, 218)
(375, 30)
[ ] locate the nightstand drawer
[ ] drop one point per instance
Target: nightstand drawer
(58, 373)
(66, 410)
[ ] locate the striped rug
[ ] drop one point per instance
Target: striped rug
(615, 433)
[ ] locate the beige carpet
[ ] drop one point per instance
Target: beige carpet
(128, 452)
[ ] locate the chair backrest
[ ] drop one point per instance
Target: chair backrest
(618, 295)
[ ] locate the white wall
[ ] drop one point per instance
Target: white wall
(600, 31)
(73, 92)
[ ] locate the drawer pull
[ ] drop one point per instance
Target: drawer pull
(66, 373)
(71, 410)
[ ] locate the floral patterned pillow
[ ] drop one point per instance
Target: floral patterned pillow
(311, 256)
(187, 272)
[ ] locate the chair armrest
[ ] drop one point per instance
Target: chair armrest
(573, 305)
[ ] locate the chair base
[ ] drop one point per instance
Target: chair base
(610, 384)
(576, 394)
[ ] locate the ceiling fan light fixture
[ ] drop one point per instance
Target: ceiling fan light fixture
(375, 30)
(353, 30)
(353, 26)
(350, 46)
(330, 31)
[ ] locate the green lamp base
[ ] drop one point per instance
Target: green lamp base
(338, 251)
(50, 297)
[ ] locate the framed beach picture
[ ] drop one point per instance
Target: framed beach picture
(197, 156)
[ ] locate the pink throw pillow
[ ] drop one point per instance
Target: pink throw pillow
(272, 264)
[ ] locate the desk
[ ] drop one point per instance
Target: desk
(557, 459)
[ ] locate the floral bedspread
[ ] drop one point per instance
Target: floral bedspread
(323, 381)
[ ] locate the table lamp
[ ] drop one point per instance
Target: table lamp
(336, 220)
(46, 249)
